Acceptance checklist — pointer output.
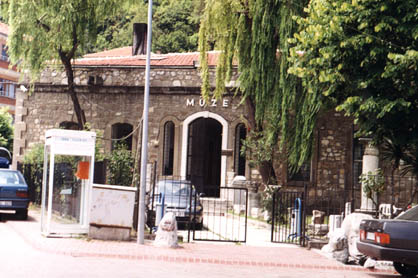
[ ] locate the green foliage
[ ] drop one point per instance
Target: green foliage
(258, 148)
(255, 34)
(373, 184)
(175, 29)
(47, 32)
(363, 57)
(175, 26)
(120, 166)
(99, 154)
(41, 29)
(116, 31)
(35, 155)
(3, 11)
(6, 129)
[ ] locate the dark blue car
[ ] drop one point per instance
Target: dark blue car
(14, 193)
(392, 240)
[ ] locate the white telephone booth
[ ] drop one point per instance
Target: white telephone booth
(67, 182)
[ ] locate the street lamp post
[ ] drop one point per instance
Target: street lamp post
(144, 149)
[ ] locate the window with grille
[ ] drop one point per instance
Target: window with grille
(358, 152)
(7, 88)
(239, 160)
(4, 55)
(168, 149)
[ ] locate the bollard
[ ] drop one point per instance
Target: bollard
(167, 232)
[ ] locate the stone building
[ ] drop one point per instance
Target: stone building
(188, 137)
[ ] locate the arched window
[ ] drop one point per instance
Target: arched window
(69, 125)
(239, 160)
(168, 149)
(121, 130)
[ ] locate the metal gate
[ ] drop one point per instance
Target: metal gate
(288, 217)
(224, 218)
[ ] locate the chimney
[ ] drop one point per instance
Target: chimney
(139, 44)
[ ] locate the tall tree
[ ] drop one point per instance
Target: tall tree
(254, 34)
(116, 31)
(363, 56)
(175, 26)
(55, 31)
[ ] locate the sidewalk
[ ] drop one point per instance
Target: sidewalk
(283, 256)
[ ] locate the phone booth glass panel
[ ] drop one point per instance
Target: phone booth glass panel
(67, 181)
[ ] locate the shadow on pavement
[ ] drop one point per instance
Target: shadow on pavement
(12, 217)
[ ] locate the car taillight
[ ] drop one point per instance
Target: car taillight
(22, 194)
(362, 234)
(382, 238)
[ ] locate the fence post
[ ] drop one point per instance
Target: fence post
(304, 203)
(273, 214)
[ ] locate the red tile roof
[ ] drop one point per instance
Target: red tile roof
(123, 57)
(4, 28)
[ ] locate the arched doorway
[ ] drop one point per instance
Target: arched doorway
(204, 155)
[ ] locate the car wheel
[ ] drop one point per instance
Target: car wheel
(22, 214)
(406, 269)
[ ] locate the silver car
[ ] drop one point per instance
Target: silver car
(180, 197)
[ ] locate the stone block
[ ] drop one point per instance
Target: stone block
(109, 233)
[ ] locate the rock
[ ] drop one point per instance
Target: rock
(318, 217)
(337, 239)
(369, 263)
(166, 235)
(341, 256)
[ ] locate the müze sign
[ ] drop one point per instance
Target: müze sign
(211, 103)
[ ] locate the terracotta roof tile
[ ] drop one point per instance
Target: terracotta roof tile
(123, 57)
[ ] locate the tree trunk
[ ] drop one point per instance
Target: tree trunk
(81, 118)
(265, 168)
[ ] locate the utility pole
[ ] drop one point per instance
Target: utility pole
(144, 149)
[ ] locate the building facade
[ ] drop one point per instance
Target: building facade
(8, 76)
(188, 136)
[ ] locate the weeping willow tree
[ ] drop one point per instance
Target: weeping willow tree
(47, 32)
(253, 34)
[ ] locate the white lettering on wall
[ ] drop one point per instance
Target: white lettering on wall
(190, 102)
(225, 103)
(202, 102)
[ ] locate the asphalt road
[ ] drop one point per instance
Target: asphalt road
(19, 259)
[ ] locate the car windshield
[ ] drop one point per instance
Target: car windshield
(174, 188)
(411, 214)
(10, 177)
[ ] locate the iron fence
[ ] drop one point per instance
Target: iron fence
(33, 177)
(288, 217)
(221, 216)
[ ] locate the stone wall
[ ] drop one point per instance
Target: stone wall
(333, 156)
(126, 76)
